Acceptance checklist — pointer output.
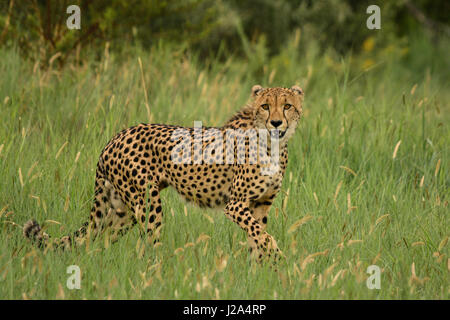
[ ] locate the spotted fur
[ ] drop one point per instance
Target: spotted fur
(141, 161)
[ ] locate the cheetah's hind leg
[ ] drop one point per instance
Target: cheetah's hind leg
(108, 213)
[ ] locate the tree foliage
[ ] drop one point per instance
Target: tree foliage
(38, 27)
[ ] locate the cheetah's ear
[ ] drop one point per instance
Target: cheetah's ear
(256, 90)
(297, 90)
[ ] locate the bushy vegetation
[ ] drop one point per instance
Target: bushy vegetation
(210, 27)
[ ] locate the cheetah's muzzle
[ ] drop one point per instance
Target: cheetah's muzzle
(277, 134)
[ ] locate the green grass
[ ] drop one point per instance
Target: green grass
(365, 205)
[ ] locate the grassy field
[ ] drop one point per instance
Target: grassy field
(367, 181)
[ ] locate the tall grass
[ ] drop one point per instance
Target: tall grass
(367, 181)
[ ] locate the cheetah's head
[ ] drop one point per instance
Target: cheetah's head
(277, 109)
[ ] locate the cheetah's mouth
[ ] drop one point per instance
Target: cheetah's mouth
(277, 134)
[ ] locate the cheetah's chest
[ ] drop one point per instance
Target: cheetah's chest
(272, 179)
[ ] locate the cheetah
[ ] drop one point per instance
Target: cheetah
(141, 161)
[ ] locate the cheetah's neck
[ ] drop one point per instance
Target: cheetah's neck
(243, 119)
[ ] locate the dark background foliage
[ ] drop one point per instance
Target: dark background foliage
(209, 27)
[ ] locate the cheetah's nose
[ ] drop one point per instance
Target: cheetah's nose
(276, 123)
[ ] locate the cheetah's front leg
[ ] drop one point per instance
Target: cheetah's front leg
(239, 212)
(259, 210)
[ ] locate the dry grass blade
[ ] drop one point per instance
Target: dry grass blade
(348, 170)
(77, 156)
(178, 250)
(381, 218)
(436, 171)
(299, 223)
(31, 168)
(202, 237)
(394, 155)
(328, 271)
(14, 224)
(21, 177)
(208, 217)
(66, 203)
(60, 294)
(52, 221)
(422, 181)
(350, 242)
(221, 262)
(310, 258)
(414, 279)
(189, 244)
(377, 257)
(316, 198)
(61, 149)
(443, 243)
(3, 210)
(338, 188)
(147, 106)
(349, 204)
(336, 277)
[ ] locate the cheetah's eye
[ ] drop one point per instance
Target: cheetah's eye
(265, 106)
(287, 106)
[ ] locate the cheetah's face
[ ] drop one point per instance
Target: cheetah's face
(277, 110)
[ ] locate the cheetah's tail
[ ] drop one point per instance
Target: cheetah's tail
(33, 231)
